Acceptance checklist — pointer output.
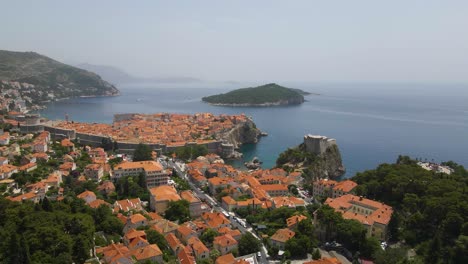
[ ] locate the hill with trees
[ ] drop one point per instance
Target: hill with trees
(51, 79)
(430, 208)
(265, 95)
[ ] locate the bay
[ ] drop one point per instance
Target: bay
(373, 123)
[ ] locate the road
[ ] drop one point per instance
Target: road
(216, 207)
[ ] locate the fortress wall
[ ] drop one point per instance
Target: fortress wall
(60, 133)
(318, 144)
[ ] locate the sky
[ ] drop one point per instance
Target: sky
(313, 41)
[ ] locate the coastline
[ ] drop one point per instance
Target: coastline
(254, 105)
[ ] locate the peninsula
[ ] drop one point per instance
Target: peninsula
(270, 94)
(162, 132)
(28, 80)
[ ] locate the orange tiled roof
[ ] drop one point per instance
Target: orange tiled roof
(283, 235)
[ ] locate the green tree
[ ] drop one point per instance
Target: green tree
(316, 254)
(248, 244)
(142, 152)
(178, 211)
(155, 237)
(208, 236)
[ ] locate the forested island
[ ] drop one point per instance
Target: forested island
(265, 95)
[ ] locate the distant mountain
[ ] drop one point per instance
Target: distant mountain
(118, 76)
(265, 95)
(51, 79)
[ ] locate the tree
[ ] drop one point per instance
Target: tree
(248, 244)
(155, 237)
(208, 236)
(316, 254)
(178, 211)
(142, 152)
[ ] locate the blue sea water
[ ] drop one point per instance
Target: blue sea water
(372, 123)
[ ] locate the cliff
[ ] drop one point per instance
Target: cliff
(326, 163)
(243, 133)
(265, 95)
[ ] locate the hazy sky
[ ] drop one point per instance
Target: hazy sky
(372, 40)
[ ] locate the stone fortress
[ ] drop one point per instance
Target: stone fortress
(318, 144)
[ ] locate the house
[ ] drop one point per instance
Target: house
(66, 143)
(26, 159)
(174, 243)
(343, 187)
(280, 237)
(115, 254)
(67, 166)
(149, 253)
(5, 138)
(3, 161)
(127, 205)
(106, 187)
(30, 196)
(41, 156)
(225, 244)
(274, 190)
(184, 233)
(226, 259)
(28, 167)
(164, 226)
(94, 171)
(217, 183)
(228, 203)
(185, 256)
(7, 170)
(285, 201)
(324, 261)
(135, 221)
(161, 196)
(374, 215)
(87, 196)
(195, 205)
(292, 221)
(323, 188)
(200, 251)
(97, 203)
(132, 234)
(215, 220)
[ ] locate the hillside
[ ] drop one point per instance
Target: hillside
(49, 79)
(119, 76)
(265, 95)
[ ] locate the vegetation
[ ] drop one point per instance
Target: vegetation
(248, 244)
(191, 152)
(131, 187)
(429, 208)
(50, 76)
(178, 211)
(265, 94)
(208, 236)
(142, 152)
(64, 233)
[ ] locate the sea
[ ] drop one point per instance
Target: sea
(372, 123)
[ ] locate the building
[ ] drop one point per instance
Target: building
(280, 237)
(324, 261)
(323, 188)
(195, 206)
(318, 144)
(94, 171)
(374, 215)
(161, 196)
(224, 244)
(343, 187)
(87, 196)
(153, 171)
(292, 221)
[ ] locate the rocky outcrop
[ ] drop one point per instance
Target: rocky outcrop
(242, 133)
(325, 164)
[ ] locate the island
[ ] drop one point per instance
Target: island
(270, 94)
